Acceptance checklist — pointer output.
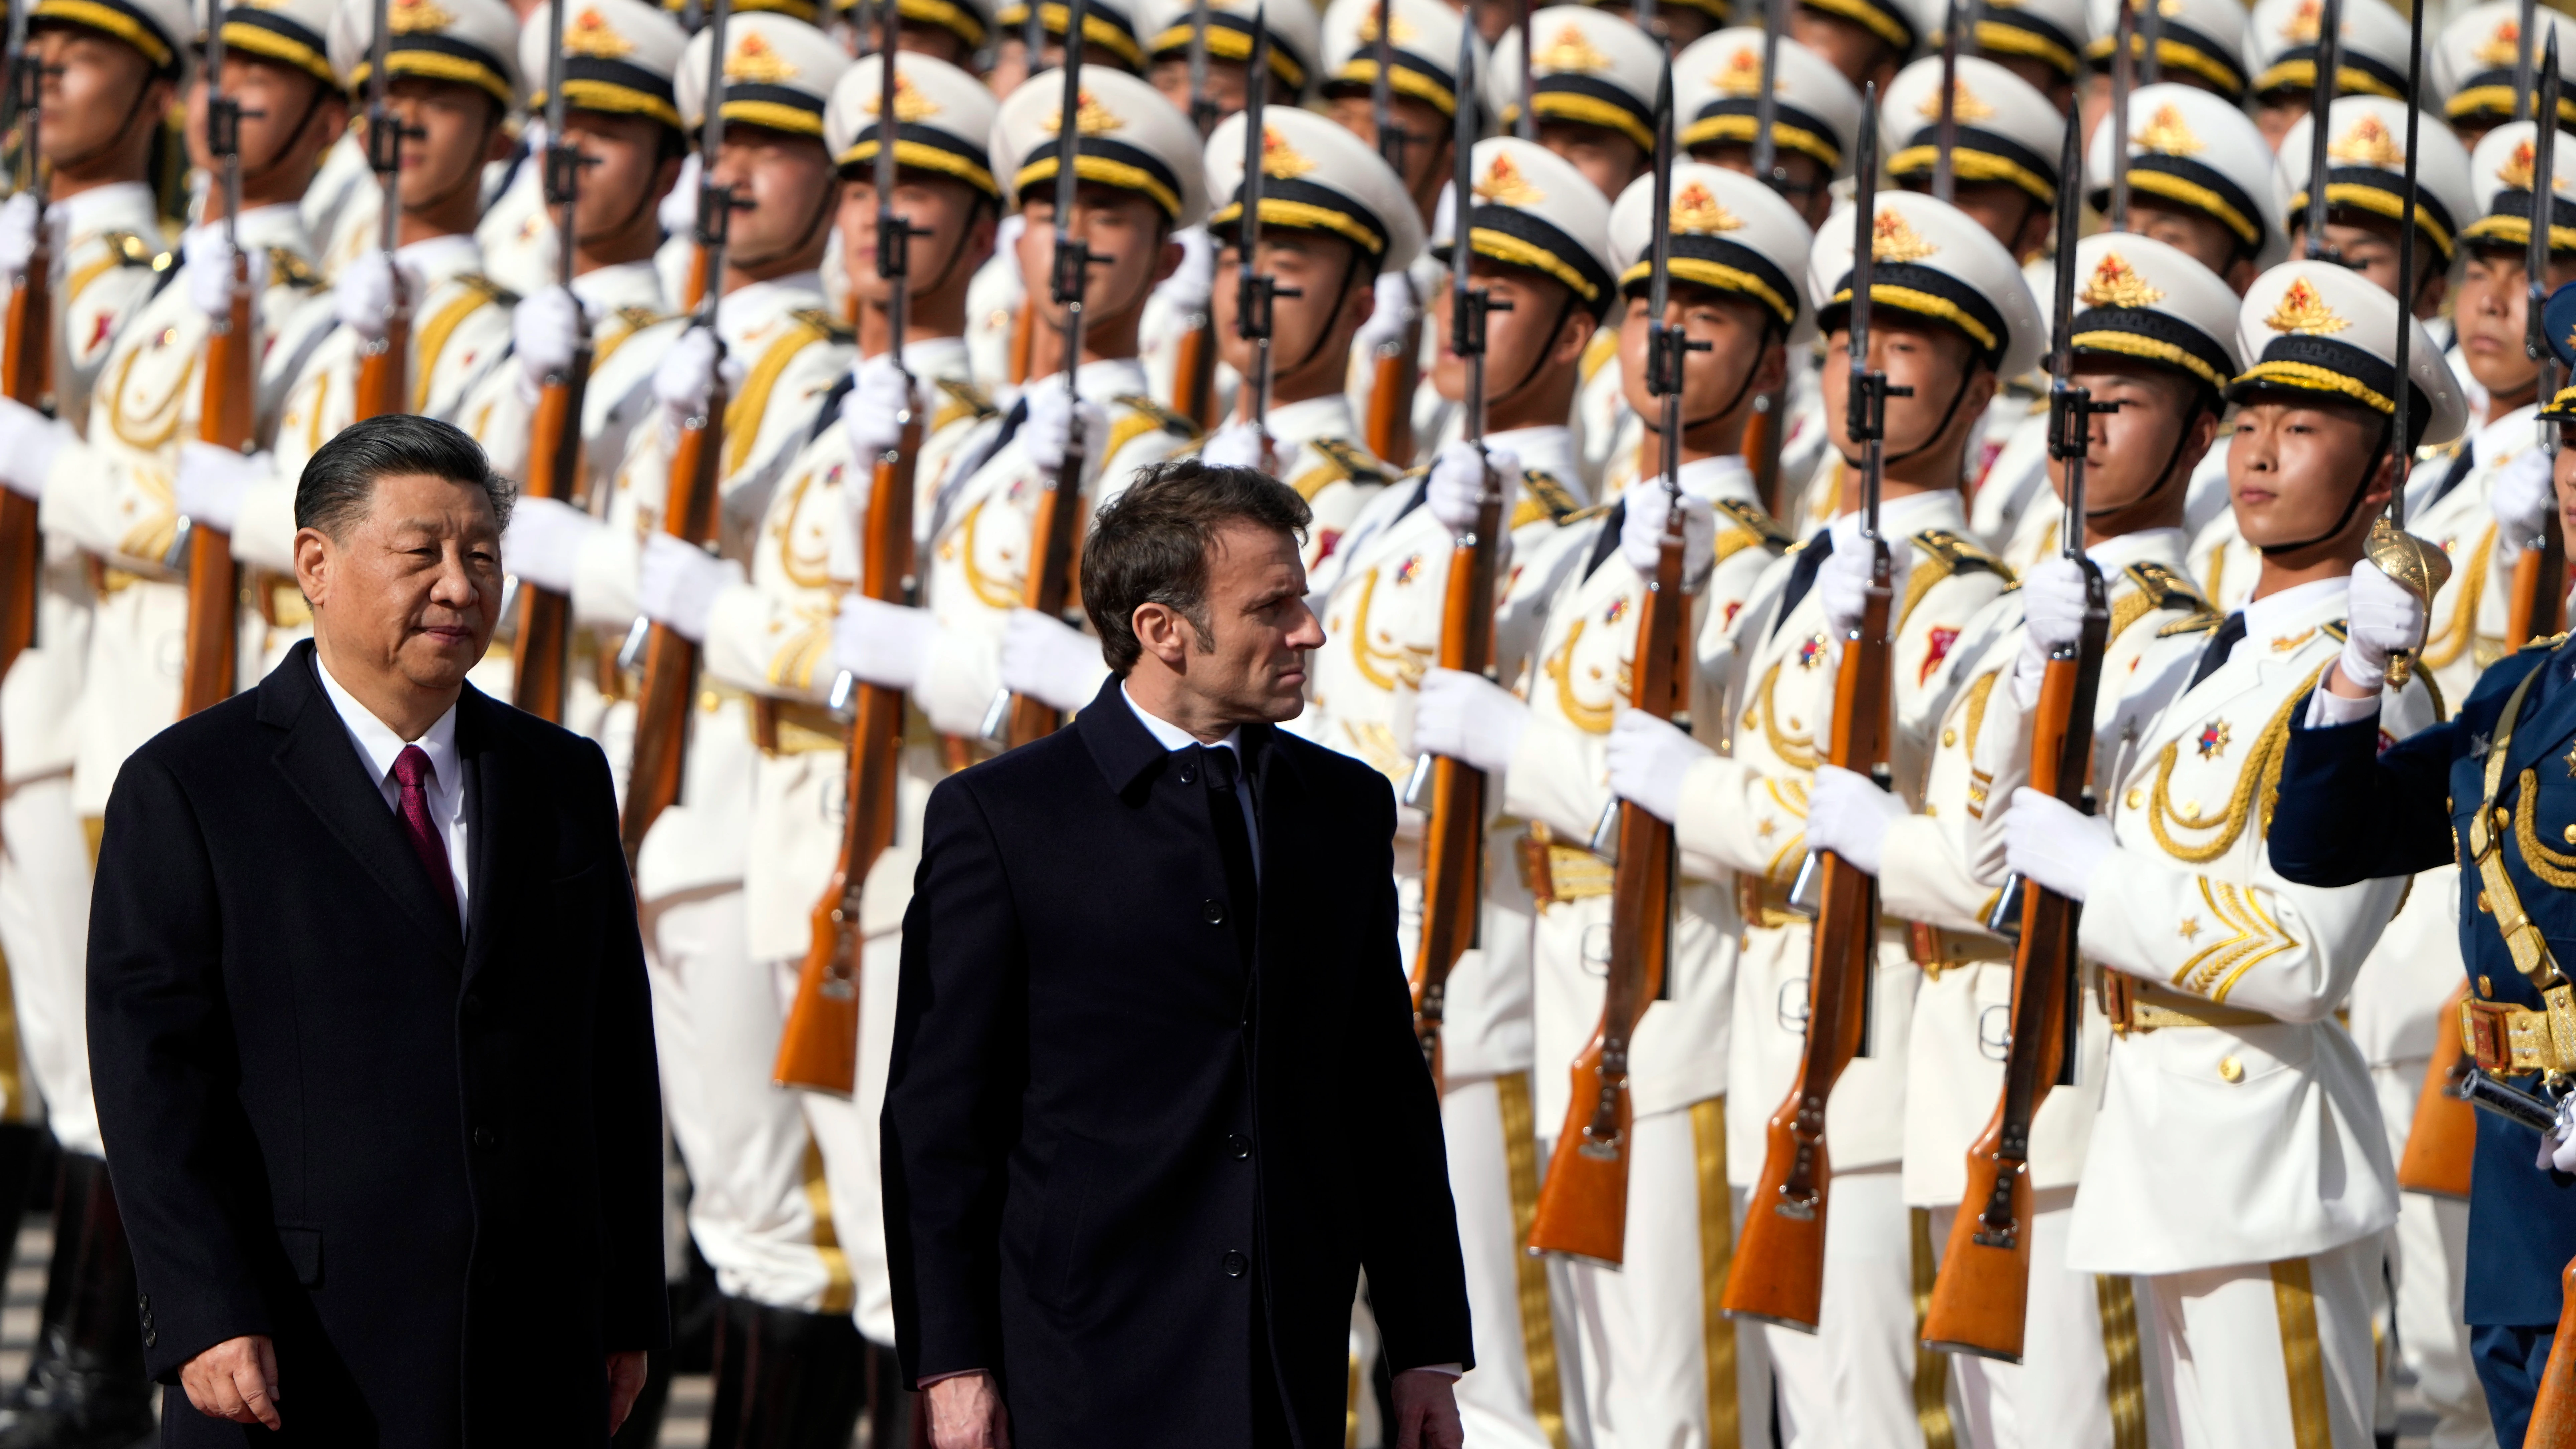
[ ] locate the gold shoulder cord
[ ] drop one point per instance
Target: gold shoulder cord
(2506, 1039)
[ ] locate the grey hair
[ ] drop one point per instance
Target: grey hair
(339, 481)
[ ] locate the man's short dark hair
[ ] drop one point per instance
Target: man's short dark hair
(340, 479)
(1150, 545)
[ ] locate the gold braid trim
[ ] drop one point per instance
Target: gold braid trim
(2553, 867)
(432, 341)
(2303, 1360)
(1716, 1260)
(1978, 693)
(743, 415)
(1590, 718)
(1529, 1272)
(2125, 1383)
(1402, 665)
(2214, 972)
(2438, 652)
(989, 592)
(1931, 1367)
(1798, 752)
(2261, 773)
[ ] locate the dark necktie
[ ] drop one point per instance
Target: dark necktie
(2451, 476)
(1220, 768)
(2213, 657)
(412, 772)
(1802, 574)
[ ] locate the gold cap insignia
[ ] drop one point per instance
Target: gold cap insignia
(1504, 185)
(2115, 283)
(1742, 75)
(2369, 144)
(589, 33)
(1967, 106)
(1280, 159)
(909, 103)
(2167, 134)
(1893, 239)
(755, 62)
(1398, 32)
(1090, 118)
(2305, 24)
(1696, 210)
(2519, 171)
(1571, 50)
(415, 17)
(2504, 47)
(2302, 310)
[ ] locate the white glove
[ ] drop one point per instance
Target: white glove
(1649, 759)
(28, 442)
(2053, 617)
(678, 582)
(365, 292)
(2383, 616)
(686, 376)
(212, 480)
(1641, 534)
(1457, 484)
(2522, 501)
(872, 410)
(678, 212)
(2054, 843)
(2558, 1144)
(1842, 582)
(1051, 661)
(1385, 326)
(1187, 289)
(1470, 719)
(543, 546)
(1236, 445)
(883, 644)
(1849, 815)
(209, 260)
(17, 235)
(544, 331)
(1049, 425)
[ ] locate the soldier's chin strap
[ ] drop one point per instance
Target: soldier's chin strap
(2351, 506)
(1940, 430)
(2181, 436)
(1350, 266)
(1736, 400)
(1564, 310)
(820, 223)
(286, 143)
(115, 138)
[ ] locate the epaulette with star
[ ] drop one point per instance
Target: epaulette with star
(1351, 461)
(832, 328)
(1750, 517)
(1952, 554)
(1176, 424)
(969, 401)
(2551, 642)
(129, 249)
(293, 270)
(639, 318)
(1544, 497)
(2200, 623)
(2170, 590)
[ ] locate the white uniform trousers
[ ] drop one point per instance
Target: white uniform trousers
(1525, 1391)
(758, 1204)
(846, 1131)
(1854, 1380)
(2268, 1355)
(1662, 1368)
(2428, 1260)
(44, 934)
(2081, 1382)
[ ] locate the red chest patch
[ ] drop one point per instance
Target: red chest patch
(1941, 640)
(99, 334)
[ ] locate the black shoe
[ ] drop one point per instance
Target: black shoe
(85, 1388)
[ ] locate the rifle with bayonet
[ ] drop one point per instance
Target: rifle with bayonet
(1256, 291)
(384, 362)
(1583, 1201)
(1980, 1301)
(1016, 719)
(2321, 93)
(819, 1044)
(1768, 431)
(27, 363)
(2537, 604)
(2124, 81)
(1779, 1269)
(1525, 122)
(1451, 792)
(543, 653)
(670, 661)
(227, 415)
(1945, 134)
(1396, 371)
(1194, 359)
(2419, 566)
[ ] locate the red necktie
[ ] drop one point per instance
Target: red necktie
(413, 772)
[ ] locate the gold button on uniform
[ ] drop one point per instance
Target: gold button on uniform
(1949, 738)
(2137, 799)
(2230, 1070)
(2486, 988)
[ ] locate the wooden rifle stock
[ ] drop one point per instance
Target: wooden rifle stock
(383, 385)
(1453, 857)
(2553, 1410)
(1583, 1202)
(670, 660)
(2537, 605)
(26, 376)
(1390, 406)
(1194, 373)
(1980, 1301)
(2443, 1139)
(541, 669)
(1024, 339)
(818, 1049)
(1779, 1272)
(226, 420)
(1050, 586)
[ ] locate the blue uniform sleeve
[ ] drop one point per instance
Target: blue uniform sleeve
(2350, 812)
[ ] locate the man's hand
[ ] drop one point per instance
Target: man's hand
(625, 1381)
(236, 1380)
(1426, 1411)
(966, 1413)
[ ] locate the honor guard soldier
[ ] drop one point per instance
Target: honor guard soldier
(2154, 332)
(2283, 36)
(2041, 41)
(1296, 49)
(1138, 165)
(1951, 316)
(2197, 43)
(761, 1209)
(1717, 88)
(1109, 38)
(2237, 1170)
(1867, 40)
(1684, 23)
(1658, 1362)
(106, 489)
(955, 31)
(2486, 787)
(2006, 155)
(2472, 65)
(1592, 80)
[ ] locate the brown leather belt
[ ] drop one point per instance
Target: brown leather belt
(2155, 1008)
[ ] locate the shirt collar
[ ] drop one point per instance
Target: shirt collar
(2147, 545)
(438, 258)
(379, 745)
(1903, 517)
(1171, 736)
(2274, 615)
(85, 211)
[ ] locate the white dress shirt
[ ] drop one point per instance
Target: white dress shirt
(1172, 737)
(378, 745)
